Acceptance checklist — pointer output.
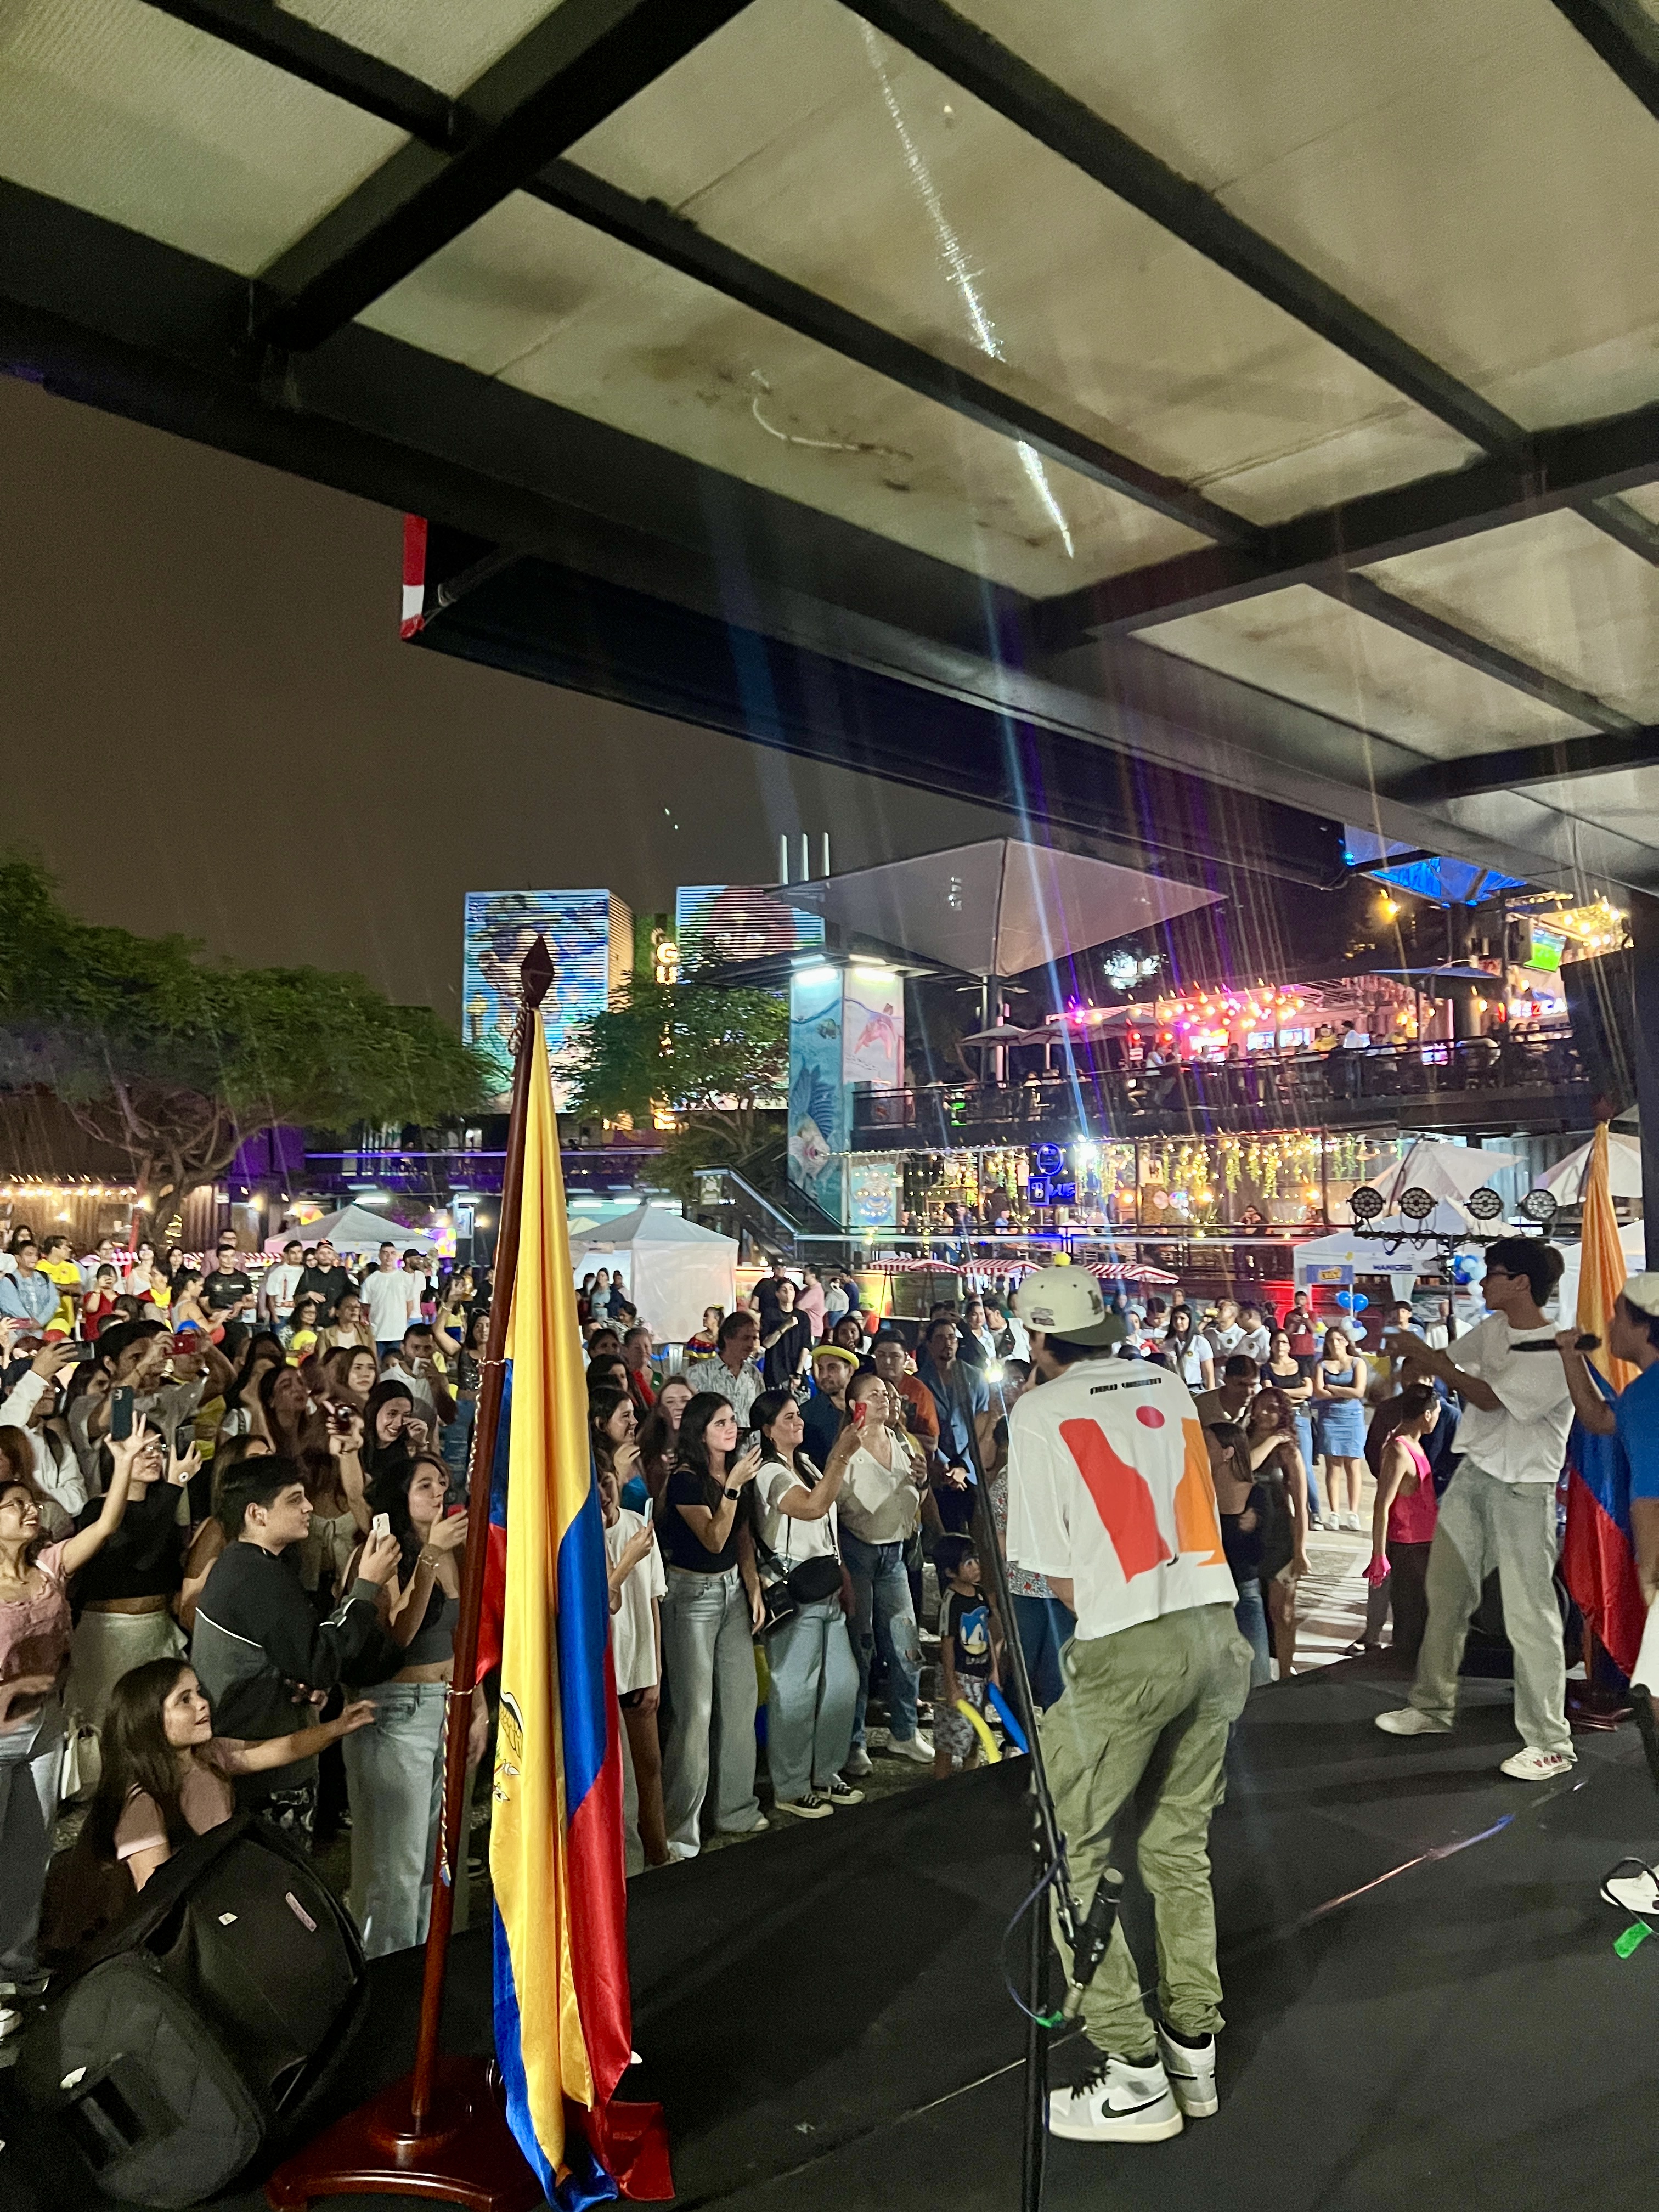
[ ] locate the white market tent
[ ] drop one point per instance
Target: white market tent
(674, 1268)
(1632, 1242)
(354, 1229)
(1401, 1260)
(1566, 1178)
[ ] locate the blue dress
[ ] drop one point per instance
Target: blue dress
(1341, 1422)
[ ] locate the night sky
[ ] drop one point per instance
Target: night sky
(209, 724)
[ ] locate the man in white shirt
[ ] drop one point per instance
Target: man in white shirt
(730, 1370)
(1225, 1331)
(281, 1285)
(392, 1296)
(1110, 1497)
(1253, 1338)
(1499, 1509)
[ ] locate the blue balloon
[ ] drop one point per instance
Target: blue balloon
(1360, 1302)
(1345, 1298)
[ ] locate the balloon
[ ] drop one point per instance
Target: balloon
(1360, 1302)
(1345, 1298)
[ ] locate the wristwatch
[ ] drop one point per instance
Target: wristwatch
(733, 1495)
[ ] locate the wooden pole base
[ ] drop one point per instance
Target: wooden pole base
(465, 2154)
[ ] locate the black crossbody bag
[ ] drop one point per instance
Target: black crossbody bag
(807, 1583)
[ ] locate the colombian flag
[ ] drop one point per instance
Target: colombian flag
(1598, 1559)
(562, 2016)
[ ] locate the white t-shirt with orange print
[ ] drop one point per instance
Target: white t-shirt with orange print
(1109, 1487)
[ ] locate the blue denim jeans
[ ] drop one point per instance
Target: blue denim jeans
(455, 1441)
(1304, 1438)
(815, 1686)
(1251, 1614)
(708, 1673)
(1044, 1625)
(883, 1615)
(395, 1776)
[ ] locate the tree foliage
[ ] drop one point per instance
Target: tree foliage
(720, 1054)
(175, 1059)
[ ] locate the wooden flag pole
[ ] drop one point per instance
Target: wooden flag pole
(441, 2131)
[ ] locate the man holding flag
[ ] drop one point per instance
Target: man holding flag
(1631, 1420)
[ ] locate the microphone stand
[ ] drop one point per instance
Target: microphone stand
(1049, 1870)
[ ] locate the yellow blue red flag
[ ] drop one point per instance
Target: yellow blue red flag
(562, 2020)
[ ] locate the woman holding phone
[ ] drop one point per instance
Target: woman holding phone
(710, 1610)
(879, 1507)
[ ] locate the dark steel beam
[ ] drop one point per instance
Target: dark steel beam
(1627, 38)
(1369, 597)
(655, 229)
(298, 48)
(982, 65)
(583, 61)
(1582, 464)
(1620, 520)
(323, 59)
(1438, 781)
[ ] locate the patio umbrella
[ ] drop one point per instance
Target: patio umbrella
(1566, 1178)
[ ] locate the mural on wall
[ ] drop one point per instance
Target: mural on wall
(872, 1194)
(738, 921)
(590, 936)
(873, 1021)
(818, 1097)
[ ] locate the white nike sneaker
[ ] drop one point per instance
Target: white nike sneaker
(1530, 1765)
(1633, 1886)
(1117, 2102)
(1192, 2075)
(1405, 1720)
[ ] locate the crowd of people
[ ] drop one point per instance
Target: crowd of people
(231, 1535)
(232, 1525)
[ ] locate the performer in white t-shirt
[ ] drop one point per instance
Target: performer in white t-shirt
(1110, 1497)
(1498, 1511)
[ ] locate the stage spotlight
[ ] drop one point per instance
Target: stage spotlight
(1416, 1205)
(1365, 1204)
(1539, 1205)
(1485, 1204)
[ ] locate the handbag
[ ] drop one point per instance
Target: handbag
(81, 1762)
(809, 1582)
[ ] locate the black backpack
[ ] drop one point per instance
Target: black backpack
(206, 2022)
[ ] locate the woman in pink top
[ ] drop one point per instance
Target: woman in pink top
(1403, 1519)
(35, 1629)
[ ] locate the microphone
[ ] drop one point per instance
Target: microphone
(1093, 1938)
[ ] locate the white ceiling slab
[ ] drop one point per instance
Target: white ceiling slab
(1320, 651)
(1419, 157)
(800, 136)
(1625, 799)
(1556, 592)
(446, 43)
(556, 308)
(124, 111)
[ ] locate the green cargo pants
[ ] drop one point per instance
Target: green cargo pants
(1143, 1719)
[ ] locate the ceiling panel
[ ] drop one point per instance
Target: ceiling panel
(556, 309)
(446, 43)
(800, 136)
(1645, 498)
(1418, 156)
(1625, 799)
(1301, 645)
(1557, 593)
(119, 109)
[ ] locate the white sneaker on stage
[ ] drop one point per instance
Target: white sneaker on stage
(1530, 1765)
(1405, 1720)
(1192, 2075)
(1117, 2102)
(918, 1749)
(1633, 1886)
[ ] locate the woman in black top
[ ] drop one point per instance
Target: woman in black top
(394, 1767)
(1244, 1509)
(709, 1615)
(124, 1597)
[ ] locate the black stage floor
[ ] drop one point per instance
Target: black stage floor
(823, 2017)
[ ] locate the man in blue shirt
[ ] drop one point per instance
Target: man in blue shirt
(28, 1295)
(1633, 1417)
(963, 1397)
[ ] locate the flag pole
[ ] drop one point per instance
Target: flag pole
(441, 2129)
(535, 977)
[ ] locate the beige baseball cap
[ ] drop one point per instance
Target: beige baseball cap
(1642, 1291)
(1066, 1302)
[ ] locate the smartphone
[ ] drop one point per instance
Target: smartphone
(339, 1419)
(860, 1411)
(650, 1508)
(121, 1413)
(379, 1526)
